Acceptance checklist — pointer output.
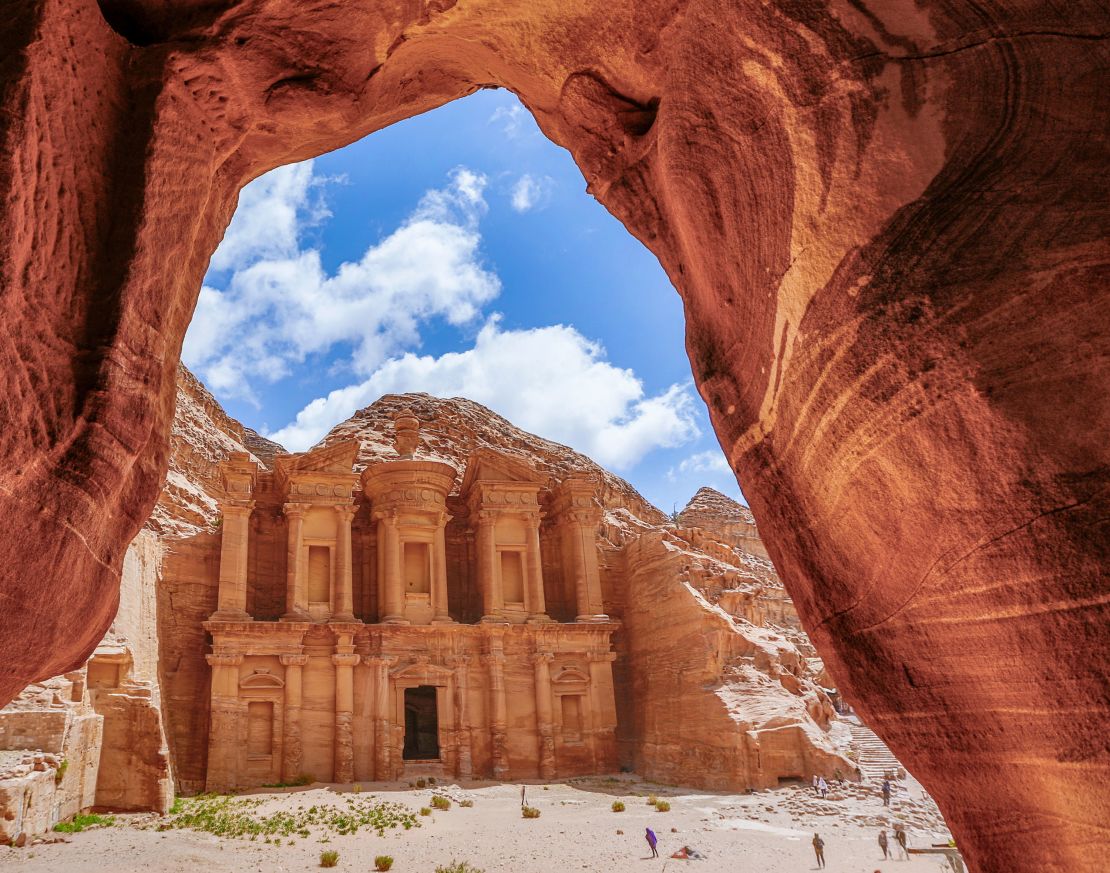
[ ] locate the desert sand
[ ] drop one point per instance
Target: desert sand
(766, 831)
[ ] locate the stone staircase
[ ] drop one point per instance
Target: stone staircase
(874, 756)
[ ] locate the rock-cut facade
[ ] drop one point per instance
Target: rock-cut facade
(402, 622)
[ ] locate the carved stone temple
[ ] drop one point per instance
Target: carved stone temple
(399, 621)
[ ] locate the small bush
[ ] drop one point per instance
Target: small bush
(303, 779)
(383, 862)
(440, 802)
(457, 867)
(620, 833)
(663, 806)
(467, 803)
(652, 800)
(431, 780)
(79, 822)
(61, 771)
(425, 811)
(357, 788)
(329, 858)
(529, 812)
(421, 783)
(618, 806)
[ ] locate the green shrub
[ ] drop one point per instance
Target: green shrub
(61, 771)
(618, 806)
(425, 811)
(529, 812)
(431, 780)
(329, 858)
(457, 867)
(663, 806)
(652, 800)
(440, 802)
(79, 822)
(356, 788)
(467, 803)
(303, 779)
(421, 783)
(383, 862)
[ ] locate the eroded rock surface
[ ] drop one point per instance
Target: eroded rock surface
(888, 223)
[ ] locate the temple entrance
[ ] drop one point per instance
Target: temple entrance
(421, 724)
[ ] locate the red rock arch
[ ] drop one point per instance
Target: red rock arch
(888, 223)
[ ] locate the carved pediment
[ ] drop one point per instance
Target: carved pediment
(261, 679)
(421, 669)
(569, 674)
(487, 465)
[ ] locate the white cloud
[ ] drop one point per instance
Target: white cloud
(513, 119)
(710, 461)
(530, 192)
(549, 380)
(280, 305)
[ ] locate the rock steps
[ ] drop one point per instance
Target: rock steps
(874, 756)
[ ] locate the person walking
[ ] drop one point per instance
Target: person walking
(816, 786)
(819, 849)
(652, 840)
(522, 797)
(883, 844)
(886, 792)
(900, 838)
(823, 787)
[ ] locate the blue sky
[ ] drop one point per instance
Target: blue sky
(456, 253)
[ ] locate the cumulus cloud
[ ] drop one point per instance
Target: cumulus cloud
(549, 380)
(710, 461)
(280, 304)
(530, 192)
(514, 120)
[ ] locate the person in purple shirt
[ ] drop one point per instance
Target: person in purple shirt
(651, 840)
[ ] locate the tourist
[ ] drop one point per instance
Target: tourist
(823, 787)
(886, 792)
(819, 849)
(816, 787)
(522, 797)
(651, 841)
(883, 845)
(900, 838)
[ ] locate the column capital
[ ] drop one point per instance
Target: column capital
(543, 657)
(379, 660)
(293, 660)
(601, 656)
(224, 659)
(235, 507)
(487, 517)
(345, 510)
(493, 658)
(294, 509)
(346, 660)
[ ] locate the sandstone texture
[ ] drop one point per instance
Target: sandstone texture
(888, 224)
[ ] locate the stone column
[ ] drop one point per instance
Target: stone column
(296, 601)
(440, 611)
(603, 705)
(582, 534)
(344, 662)
(381, 717)
(489, 578)
(498, 724)
(343, 600)
(232, 598)
(292, 754)
(394, 595)
(462, 717)
(541, 661)
(537, 603)
(224, 740)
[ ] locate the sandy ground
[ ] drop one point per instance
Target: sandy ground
(763, 832)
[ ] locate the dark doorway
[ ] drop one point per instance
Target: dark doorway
(421, 724)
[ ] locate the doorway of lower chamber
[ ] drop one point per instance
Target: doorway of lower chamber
(421, 724)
